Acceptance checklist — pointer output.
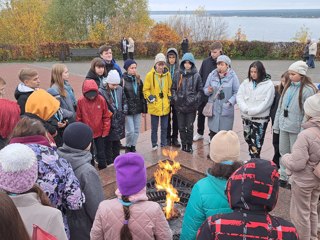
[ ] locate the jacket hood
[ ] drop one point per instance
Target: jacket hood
(89, 85)
(42, 104)
(9, 116)
(76, 157)
(254, 186)
(188, 57)
(173, 50)
(312, 122)
(165, 71)
(22, 89)
(92, 75)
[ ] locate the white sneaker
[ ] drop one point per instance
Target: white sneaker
(155, 147)
(197, 137)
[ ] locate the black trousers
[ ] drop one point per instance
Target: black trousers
(275, 143)
(185, 123)
(125, 56)
(172, 125)
(131, 55)
(100, 152)
(112, 149)
(201, 118)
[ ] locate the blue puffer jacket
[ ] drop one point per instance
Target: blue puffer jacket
(207, 198)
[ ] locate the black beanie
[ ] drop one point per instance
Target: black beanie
(127, 63)
(77, 135)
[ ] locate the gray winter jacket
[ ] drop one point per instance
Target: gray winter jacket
(80, 221)
(292, 123)
(223, 110)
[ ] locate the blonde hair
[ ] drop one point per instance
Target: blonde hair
(27, 73)
(56, 78)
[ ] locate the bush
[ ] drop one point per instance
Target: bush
(234, 49)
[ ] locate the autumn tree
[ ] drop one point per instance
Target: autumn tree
(162, 32)
(240, 35)
(22, 22)
(199, 26)
(302, 35)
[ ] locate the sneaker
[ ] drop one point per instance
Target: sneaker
(197, 137)
(155, 147)
(175, 143)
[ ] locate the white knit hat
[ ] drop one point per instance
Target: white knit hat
(112, 78)
(18, 168)
(225, 146)
(160, 57)
(299, 67)
(312, 106)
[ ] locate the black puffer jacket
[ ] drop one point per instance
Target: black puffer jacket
(117, 129)
(188, 90)
(92, 75)
(135, 100)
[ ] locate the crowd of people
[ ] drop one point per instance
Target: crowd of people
(53, 145)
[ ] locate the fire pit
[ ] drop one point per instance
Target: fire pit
(172, 192)
(183, 187)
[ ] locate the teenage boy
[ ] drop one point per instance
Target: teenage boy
(173, 65)
(106, 54)
(207, 66)
(29, 82)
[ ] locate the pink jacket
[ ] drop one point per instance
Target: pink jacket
(305, 155)
(147, 220)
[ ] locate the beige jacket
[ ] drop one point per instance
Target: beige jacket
(146, 221)
(33, 212)
(305, 155)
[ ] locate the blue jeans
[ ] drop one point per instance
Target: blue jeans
(154, 129)
(133, 123)
(310, 61)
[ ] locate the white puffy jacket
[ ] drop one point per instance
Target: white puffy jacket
(255, 102)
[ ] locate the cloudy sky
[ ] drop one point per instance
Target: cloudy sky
(165, 5)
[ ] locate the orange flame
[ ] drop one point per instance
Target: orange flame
(163, 177)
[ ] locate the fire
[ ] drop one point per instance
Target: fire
(163, 177)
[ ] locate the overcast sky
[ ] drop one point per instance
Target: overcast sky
(166, 5)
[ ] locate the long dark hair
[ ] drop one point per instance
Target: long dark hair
(260, 69)
(125, 233)
(305, 81)
(11, 224)
(223, 170)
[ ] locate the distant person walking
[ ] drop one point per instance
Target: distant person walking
(124, 48)
(208, 65)
(130, 47)
(185, 45)
(305, 55)
(312, 53)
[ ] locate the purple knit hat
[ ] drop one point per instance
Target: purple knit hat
(130, 173)
(18, 168)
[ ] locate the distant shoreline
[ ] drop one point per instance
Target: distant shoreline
(284, 13)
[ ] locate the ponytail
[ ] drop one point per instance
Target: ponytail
(125, 233)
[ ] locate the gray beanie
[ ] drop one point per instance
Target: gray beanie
(299, 67)
(160, 57)
(312, 106)
(225, 59)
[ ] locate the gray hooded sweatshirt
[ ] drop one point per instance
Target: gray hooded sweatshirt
(80, 221)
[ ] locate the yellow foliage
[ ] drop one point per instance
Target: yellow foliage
(98, 32)
(22, 22)
(161, 32)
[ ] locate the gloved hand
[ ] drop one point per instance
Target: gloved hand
(170, 100)
(151, 98)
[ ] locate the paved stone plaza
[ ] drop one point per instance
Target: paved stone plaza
(198, 160)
